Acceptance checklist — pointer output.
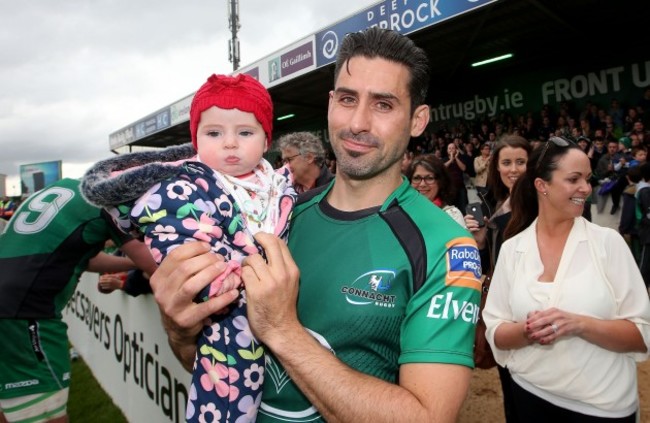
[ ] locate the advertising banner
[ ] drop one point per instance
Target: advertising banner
(123, 342)
(35, 176)
(518, 94)
(254, 72)
(180, 111)
(403, 16)
(285, 64)
(140, 129)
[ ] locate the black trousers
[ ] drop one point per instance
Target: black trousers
(509, 403)
(532, 409)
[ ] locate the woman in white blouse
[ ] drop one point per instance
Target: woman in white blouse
(567, 313)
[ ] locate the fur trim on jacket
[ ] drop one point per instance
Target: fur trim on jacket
(126, 177)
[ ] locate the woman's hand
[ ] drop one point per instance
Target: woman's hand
(620, 335)
(479, 232)
(546, 326)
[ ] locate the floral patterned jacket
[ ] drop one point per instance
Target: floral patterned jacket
(172, 200)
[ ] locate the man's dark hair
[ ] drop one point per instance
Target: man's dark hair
(389, 45)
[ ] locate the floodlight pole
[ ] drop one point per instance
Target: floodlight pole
(233, 24)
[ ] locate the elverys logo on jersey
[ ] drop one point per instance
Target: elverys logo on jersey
(463, 264)
(371, 288)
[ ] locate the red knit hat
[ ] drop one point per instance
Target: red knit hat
(242, 92)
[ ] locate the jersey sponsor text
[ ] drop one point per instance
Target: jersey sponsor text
(463, 264)
(443, 306)
(21, 384)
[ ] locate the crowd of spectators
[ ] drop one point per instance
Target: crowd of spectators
(615, 131)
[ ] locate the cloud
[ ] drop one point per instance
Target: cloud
(72, 72)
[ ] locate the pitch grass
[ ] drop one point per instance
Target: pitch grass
(87, 400)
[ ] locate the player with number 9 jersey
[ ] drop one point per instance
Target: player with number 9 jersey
(44, 249)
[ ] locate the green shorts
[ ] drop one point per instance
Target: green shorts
(34, 358)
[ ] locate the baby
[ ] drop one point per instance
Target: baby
(219, 190)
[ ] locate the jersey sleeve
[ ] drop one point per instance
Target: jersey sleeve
(441, 317)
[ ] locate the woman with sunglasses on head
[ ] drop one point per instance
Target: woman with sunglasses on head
(507, 164)
(567, 312)
(429, 176)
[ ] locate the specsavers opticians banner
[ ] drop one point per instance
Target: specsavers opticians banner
(123, 342)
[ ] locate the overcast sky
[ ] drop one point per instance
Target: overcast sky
(73, 71)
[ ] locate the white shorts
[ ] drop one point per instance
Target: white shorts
(37, 408)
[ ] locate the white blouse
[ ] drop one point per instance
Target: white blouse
(572, 373)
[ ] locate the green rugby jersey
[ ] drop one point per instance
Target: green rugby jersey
(379, 288)
(43, 251)
(45, 248)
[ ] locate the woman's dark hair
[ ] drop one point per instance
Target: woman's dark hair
(434, 165)
(498, 189)
(523, 200)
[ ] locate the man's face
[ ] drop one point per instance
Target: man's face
(369, 117)
(583, 144)
(641, 156)
(451, 150)
(297, 163)
(612, 148)
(638, 126)
(599, 145)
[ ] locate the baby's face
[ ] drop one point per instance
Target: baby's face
(230, 141)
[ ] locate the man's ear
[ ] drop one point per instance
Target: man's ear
(330, 99)
(420, 120)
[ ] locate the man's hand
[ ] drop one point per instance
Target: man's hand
(178, 280)
(271, 290)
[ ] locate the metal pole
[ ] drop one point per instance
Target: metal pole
(233, 24)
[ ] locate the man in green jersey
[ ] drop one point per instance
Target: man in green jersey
(53, 237)
(382, 327)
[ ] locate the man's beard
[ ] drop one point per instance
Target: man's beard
(359, 165)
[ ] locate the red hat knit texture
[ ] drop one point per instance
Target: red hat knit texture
(242, 92)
